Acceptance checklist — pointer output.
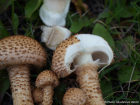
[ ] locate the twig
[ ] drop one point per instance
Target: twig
(4, 6)
(131, 78)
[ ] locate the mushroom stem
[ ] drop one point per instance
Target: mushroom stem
(20, 84)
(47, 95)
(87, 76)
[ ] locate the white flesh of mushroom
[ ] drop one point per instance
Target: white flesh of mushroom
(53, 36)
(53, 12)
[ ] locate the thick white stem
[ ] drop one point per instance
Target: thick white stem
(87, 76)
(47, 95)
(19, 76)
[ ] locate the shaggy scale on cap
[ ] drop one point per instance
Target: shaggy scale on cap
(21, 49)
(74, 96)
(58, 61)
(46, 77)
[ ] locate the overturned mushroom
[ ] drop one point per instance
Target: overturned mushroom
(84, 54)
(74, 96)
(47, 80)
(53, 36)
(18, 54)
(53, 12)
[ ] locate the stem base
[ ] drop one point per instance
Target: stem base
(87, 76)
(19, 76)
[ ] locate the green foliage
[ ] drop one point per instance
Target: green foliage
(78, 25)
(122, 48)
(106, 88)
(4, 85)
(3, 32)
(59, 93)
(100, 30)
(117, 11)
(4, 4)
(113, 67)
(15, 23)
(31, 7)
(125, 72)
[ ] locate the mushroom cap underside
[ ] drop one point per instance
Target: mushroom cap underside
(21, 49)
(85, 48)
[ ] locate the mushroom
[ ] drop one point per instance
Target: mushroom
(53, 12)
(18, 54)
(74, 96)
(84, 54)
(54, 35)
(38, 96)
(47, 81)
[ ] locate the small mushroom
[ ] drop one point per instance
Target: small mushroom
(54, 35)
(53, 12)
(18, 54)
(74, 96)
(84, 54)
(38, 96)
(47, 80)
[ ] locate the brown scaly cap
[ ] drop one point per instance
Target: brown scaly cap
(47, 77)
(37, 95)
(21, 49)
(58, 60)
(74, 96)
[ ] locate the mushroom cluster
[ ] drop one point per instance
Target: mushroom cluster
(83, 54)
(18, 54)
(74, 55)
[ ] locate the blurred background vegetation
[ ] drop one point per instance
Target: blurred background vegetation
(117, 21)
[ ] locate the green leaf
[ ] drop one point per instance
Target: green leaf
(31, 6)
(125, 12)
(4, 85)
(100, 30)
(3, 32)
(78, 25)
(4, 4)
(15, 23)
(125, 72)
(106, 89)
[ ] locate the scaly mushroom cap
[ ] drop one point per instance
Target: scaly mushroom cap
(92, 48)
(37, 95)
(74, 96)
(53, 12)
(53, 36)
(47, 77)
(21, 49)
